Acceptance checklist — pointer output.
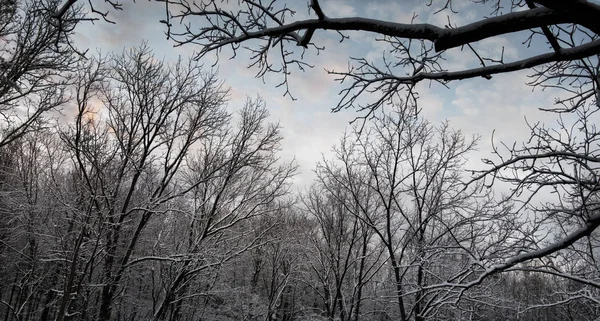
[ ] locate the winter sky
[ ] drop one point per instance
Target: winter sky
(309, 128)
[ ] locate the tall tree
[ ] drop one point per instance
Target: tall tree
(234, 180)
(37, 61)
(344, 259)
(404, 180)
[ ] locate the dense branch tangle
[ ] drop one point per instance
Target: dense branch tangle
(215, 25)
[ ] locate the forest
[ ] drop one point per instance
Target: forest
(130, 191)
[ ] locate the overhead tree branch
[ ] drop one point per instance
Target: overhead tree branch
(442, 37)
(582, 12)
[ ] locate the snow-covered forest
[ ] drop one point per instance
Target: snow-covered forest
(130, 190)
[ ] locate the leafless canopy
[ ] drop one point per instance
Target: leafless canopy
(268, 30)
(277, 42)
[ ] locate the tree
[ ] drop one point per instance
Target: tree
(402, 178)
(233, 180)
(415, 52)
(36, 64)
(344, 259)
(24, 187)
(560, 160)
(155, 114)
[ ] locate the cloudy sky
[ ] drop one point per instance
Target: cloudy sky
(309, 128)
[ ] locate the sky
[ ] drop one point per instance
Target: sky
(310, 130)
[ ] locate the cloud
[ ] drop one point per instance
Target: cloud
(134, 24)
(500, 107)
(309, 131)
(339, 8)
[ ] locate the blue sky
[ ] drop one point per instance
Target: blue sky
(309, 129)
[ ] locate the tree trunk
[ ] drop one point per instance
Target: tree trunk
(399, 290)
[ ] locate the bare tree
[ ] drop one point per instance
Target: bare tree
(37, 61)
(125, 169)
(129, 145)
(404, 180)
(415, 52)
(555, 174)
(24, 243)
(276, 41)
(233, 180)
(344, 259)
